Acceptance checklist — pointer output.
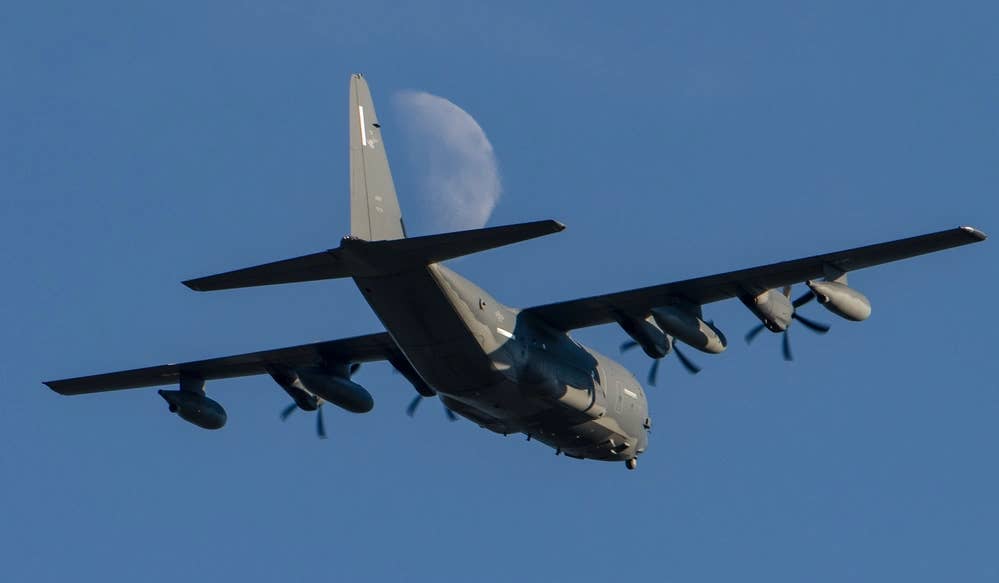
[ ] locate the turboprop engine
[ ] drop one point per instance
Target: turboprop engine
(689, 328)
(656, 344)
(772, 307)
(335, 388)
(841, 300)
(195, 408)
(776, 311)
(645, 334)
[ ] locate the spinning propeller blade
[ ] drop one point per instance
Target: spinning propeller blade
(415, 403)
(812, 324)
(654, 369)
(686, 362)
(754, 332)
(817, 327)
(804, 299)
(653, 372)
(320, 426)
(411, 409)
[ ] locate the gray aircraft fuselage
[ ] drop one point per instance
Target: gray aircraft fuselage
(508, 372)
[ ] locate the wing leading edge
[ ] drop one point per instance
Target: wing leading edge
(604, 309)
(357, 349)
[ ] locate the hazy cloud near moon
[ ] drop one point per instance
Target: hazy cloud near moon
(458, 172)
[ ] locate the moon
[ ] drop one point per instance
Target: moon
(457, 170)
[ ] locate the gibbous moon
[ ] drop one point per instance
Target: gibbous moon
(456, 167)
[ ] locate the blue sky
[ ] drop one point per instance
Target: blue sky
(145, 143)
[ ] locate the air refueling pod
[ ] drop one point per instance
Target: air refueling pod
(841, 300)
(191, 404)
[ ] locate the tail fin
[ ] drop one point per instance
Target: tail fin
(377, 244)
(374, 208)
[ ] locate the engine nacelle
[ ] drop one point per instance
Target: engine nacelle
(772, 307)
(841, 300)
(690, 329)
(340, 391)
(195, 408)
(652, 340)
(289, 381)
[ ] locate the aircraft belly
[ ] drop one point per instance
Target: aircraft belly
(508, 408)
(429, 331)
(546, 387)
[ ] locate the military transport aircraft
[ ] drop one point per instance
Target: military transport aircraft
(508, 370)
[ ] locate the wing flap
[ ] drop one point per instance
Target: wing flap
(603, 309)
(357, 349)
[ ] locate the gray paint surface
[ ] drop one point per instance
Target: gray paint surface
(507, 370)
(374, 208)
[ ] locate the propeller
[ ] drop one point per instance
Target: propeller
(316, 404)
(320, 426)
(411, 409)
(415, 403)
(817, 327)
(654, 369)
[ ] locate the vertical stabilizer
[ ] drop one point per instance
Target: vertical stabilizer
(374, 208)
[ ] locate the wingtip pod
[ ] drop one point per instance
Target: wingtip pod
(978, 235)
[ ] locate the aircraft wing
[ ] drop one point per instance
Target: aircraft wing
(357, 349)
(603, 309)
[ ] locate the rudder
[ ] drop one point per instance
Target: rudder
(374, 208)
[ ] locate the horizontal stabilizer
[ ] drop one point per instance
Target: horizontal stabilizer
(359, 258)
(434, 248)
(322, 265)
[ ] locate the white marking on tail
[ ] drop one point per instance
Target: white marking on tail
(505, 333)
(364, 133)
